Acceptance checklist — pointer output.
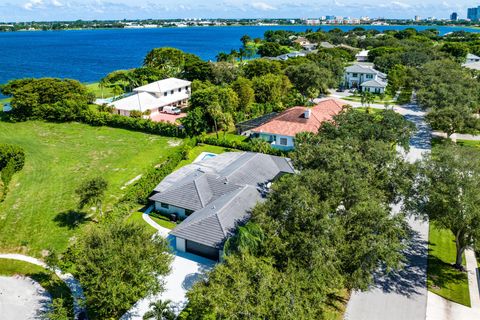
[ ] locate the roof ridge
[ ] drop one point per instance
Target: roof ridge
(198, 191)
(227, 203)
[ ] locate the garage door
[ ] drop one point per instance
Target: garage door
(202, 250)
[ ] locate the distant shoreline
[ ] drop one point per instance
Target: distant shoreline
(433, 26)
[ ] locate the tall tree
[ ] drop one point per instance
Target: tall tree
(447, 194)
(92, 192)
(117, 264)
(169, 60)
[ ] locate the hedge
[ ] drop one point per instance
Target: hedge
(255, 145)
(96, 118)
(140, 191)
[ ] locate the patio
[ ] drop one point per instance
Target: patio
(165, 117)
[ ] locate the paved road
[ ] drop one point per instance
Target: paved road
(402, 295)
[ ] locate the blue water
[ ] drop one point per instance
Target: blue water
(88, 55)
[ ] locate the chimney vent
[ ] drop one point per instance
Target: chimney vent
(307, 113)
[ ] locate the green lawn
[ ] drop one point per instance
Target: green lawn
(229, 136)
(3, 101)
(47, 279)
(196, 151)
(377, 99)
(39, 211)
(443, 279)
(163, 221)
(99, 92)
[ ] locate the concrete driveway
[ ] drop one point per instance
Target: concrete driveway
(186, 269)
(22, 298)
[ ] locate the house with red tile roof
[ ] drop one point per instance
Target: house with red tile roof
(281, 130)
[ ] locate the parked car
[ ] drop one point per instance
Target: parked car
(171, 110)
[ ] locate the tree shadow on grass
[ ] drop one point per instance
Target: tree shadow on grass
(71, 219)
(442, 274)
(55, 287)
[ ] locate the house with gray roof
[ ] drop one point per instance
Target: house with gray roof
(216, 195)
(363, 76)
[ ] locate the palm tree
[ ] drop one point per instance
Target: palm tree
(222, 56)
(160, 310)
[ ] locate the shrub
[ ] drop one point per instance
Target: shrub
(253, 146)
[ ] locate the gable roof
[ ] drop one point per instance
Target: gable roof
(293, 121)
(374, 84)
(143, 101)
(357, 68)
(163, 85)
(214, 223)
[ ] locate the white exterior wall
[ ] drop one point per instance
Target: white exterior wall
(374, 89)
(180, 244)
(180, 212)
(355, 81)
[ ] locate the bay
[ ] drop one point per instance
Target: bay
(88, 55)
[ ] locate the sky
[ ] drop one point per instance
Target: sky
(51, 10)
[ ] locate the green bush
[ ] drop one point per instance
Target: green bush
(96, 118)
(255, 145)
(12, 160)
(141, 190)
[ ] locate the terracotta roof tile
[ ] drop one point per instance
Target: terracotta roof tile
(293, 121)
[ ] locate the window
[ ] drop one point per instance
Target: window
(179, 89)
(165, 205)
(165, 94)
(369, 76)
(283, 141)
(355, 75)
(172, 91)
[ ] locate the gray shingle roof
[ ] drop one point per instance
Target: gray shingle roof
(374, 84)
(359, 68)
(212, 225)
(221, 191)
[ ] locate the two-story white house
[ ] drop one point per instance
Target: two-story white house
(365, 78)
(153, 97)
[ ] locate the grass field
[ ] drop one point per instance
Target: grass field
(99, 92)
(442, 278)
(47, 279)
(41, 204)
(196, 151)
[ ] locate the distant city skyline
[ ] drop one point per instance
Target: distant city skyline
(49, 10)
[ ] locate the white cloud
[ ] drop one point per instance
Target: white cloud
(33, 4)
(57, 3)
(263, 6)
(401, 5)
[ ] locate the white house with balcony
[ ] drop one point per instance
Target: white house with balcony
(365, 78)
(153, 97)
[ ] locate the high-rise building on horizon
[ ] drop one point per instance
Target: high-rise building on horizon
(473, 14)
(454, 16)
(417, 18)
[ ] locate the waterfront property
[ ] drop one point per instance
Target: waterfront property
(280, 131)
(364, 77)
(216, 195)
(154, 98)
